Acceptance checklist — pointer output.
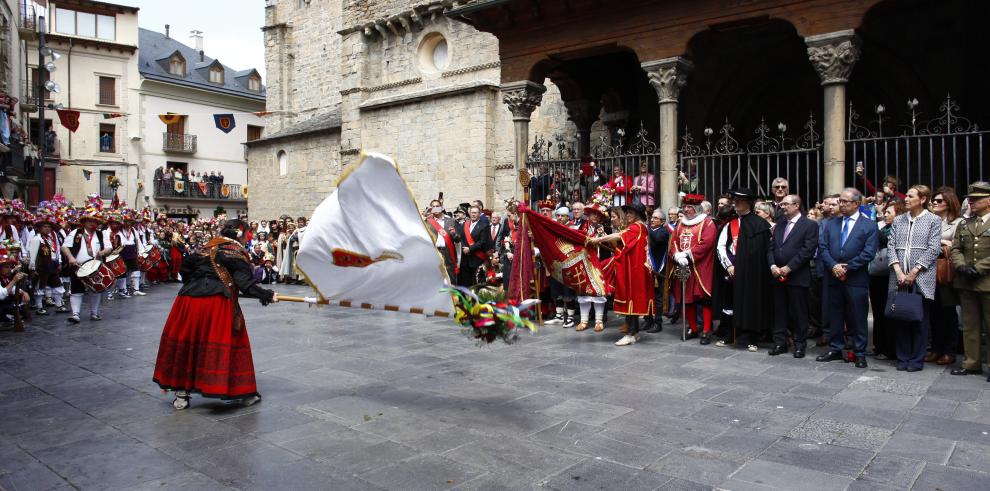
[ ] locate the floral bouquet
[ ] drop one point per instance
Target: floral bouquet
(603, 198)
(113, 182)
(487, 314)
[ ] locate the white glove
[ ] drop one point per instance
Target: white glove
(679, 255)
(681, 260)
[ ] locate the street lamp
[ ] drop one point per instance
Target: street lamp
(44, 53)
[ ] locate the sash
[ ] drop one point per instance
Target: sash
(470, 240)
(734, 237)
(447, 240)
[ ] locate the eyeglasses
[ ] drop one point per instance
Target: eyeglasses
(938, 201)
(780, 186)
(841, 200)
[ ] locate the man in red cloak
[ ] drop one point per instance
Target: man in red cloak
(631, 271)
(693, 246)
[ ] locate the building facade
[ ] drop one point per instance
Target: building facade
(179, 79)
(398, 77)
(96, 70)
(17, 25)
(708, 94)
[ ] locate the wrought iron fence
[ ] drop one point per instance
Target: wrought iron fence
(946, 150)
(168, 189)
(558, 171)
(714, 167)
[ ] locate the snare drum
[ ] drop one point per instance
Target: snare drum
(117, 265)
(96, 276)
(149, 259)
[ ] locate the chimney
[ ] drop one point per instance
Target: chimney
(166, 30)
(197, 39)
(202, 58)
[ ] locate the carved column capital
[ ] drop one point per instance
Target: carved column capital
(668, 76)
(582, 112)
(833, 55)
(522, 98)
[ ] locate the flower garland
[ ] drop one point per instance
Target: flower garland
(487, 314)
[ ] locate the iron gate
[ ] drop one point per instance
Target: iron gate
(946, 150)
(557, 169)
(722, 164)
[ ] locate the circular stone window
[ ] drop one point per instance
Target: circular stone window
(433, 54)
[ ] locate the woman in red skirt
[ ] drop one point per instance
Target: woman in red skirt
(205, 347)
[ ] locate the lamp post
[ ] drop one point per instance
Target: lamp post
(43, 85)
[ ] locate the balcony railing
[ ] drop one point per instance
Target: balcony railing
(178, 143)
(167, 189)
(27, 21)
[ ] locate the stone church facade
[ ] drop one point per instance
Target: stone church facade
(395, 76)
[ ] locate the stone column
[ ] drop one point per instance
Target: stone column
(833, 55)
(522, 98)
(668, 76)
(583, 113)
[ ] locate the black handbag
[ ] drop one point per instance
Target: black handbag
(904, 306)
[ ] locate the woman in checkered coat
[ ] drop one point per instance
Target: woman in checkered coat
(913, 247)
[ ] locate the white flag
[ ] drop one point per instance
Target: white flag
(368, 246)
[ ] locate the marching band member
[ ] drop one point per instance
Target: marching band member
(132, 243)
(81, 245)
(45, 263)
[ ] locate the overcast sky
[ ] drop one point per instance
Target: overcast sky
(231, 28)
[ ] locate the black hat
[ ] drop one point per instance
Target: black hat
(637, 208)
(743, 193)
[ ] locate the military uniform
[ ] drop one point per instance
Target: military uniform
(971, 260)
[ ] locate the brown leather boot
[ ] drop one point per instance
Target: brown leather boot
(931, 357)
(946, 360)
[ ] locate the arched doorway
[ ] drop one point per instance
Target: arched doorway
(917, 96)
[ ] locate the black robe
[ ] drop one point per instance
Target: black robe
(751, 284)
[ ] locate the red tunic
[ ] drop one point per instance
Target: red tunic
(633, 278)
(700, 240)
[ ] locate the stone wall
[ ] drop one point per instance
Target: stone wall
(314, 164)
(302, 56)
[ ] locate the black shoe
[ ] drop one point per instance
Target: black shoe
(692, 335)
(777, 350)
(657, 327)
(914, 369)
(965, 371)
(901, 368)
(799, 353)
(830, 356)
(706, 339)
(861, 361)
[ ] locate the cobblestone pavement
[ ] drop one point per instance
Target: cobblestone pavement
(357, 399)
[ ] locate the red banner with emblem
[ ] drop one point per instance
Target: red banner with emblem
(564, 255)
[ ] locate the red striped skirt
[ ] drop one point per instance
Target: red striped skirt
(201, 352)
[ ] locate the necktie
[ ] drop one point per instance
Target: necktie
(845, 230)
(787, 230)
(494, 231)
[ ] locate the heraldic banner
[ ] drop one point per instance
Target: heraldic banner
(367, 245)
(564, 255)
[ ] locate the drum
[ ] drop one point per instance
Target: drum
(117, 265)
(149, 259)
(96, 276)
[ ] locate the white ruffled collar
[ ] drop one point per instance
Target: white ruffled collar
(694, 221)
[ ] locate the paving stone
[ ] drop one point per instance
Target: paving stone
(919, 447)
(940, 477)
(593, 474)
(698, 464)
(560, 410)
(783, 476)
(425, 472)
(895, 472)
(821, 457)
(970, 456)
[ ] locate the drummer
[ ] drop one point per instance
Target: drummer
(132, 243)
(81, 245)
(44, 264)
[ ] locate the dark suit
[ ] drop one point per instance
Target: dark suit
(848, 300)
(478, 247)
(790, 297)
